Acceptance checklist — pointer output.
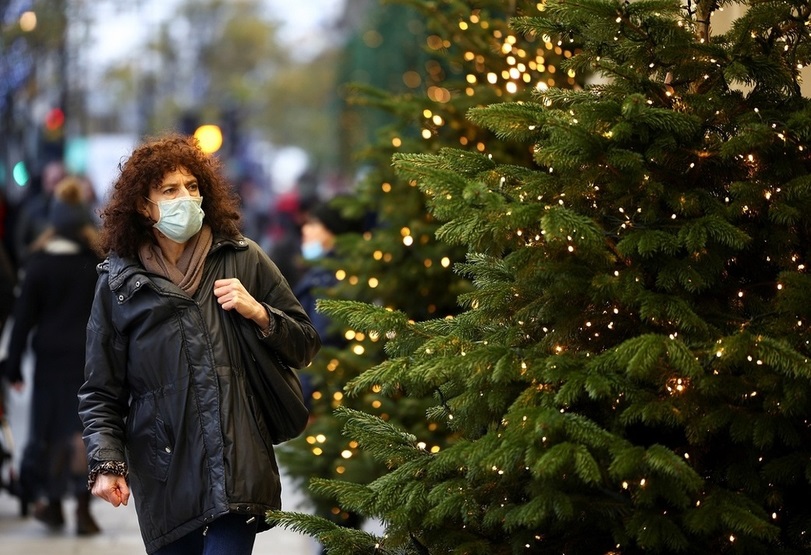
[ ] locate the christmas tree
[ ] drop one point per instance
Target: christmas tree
(630, 372)
(398, 263)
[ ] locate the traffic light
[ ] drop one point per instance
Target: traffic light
(20, 174)
(55, 120)
(53, 134)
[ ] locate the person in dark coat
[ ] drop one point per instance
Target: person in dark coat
(52, 308)
(8, 270)
(8, 281)
(166, 405)
(322, 223)
(32, 217)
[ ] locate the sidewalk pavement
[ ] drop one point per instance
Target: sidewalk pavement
(120, 534)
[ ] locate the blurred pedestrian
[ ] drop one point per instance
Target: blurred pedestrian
(283, 240)
(322, 223)
(8, 280)
(53, 306)
(32, 218)
(254, 206)
(8, 272)
(166, 405)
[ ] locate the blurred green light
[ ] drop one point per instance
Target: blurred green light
(77, 154)
(20, 174)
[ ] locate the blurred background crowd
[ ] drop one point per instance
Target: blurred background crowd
(259, 82)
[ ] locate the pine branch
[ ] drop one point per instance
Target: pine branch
(380, 439)
(366, 317)
(337, 539)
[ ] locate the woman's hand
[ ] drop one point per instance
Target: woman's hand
(232, 295)
(112, 488)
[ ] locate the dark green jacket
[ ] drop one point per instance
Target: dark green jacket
(162, 394)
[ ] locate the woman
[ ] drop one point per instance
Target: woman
(54, 303)
(164, 404)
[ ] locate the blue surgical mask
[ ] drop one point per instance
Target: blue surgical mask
(312, 250)
(180, 218)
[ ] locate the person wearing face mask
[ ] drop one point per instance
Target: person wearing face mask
(166, 406)
(322, 223)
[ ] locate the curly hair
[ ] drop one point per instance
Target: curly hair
(124, 229)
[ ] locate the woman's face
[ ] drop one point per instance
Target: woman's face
(175, 184)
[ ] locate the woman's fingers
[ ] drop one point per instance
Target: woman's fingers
(232, 295)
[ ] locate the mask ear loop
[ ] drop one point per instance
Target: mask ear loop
(145, 212)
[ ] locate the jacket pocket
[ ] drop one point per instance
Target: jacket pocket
(163, 450)
(150, 444)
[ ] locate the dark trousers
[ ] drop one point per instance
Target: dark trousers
(228, 535)
(54, 462)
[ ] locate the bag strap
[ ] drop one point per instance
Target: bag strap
(228, 321)
(237, 321)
